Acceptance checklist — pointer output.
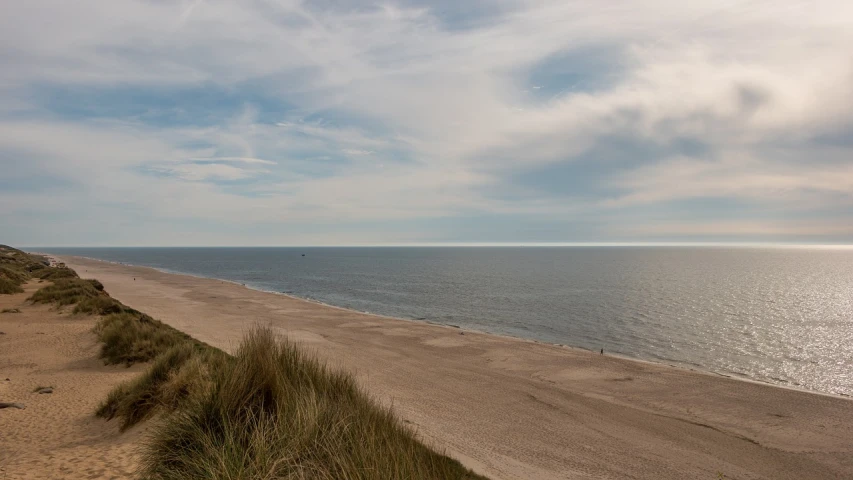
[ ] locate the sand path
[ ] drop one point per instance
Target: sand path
(515, 409)
(57, 435)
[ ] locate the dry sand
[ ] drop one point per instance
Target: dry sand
(57, 434)
(512, 408)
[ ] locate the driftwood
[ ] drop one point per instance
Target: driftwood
(12, 405)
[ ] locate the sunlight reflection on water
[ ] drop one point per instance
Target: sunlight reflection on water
(772, 314)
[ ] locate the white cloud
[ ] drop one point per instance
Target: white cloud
(736, 176)
(431, 121)
(745, 228)
(250, 160)
(356, 152)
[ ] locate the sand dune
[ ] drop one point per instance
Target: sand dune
(512, 408)
(57, 434)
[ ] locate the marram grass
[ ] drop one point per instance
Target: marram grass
(274, 413)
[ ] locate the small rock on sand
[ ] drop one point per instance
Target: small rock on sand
(45, 390)
(12, 405)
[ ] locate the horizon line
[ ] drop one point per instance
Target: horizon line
(490, 244)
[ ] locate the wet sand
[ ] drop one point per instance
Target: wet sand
(516, 409)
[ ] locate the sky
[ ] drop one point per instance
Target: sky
(333, 122)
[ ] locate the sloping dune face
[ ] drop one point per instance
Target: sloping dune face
(56, 435)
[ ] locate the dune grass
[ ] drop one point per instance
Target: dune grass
(87, 296)
(99, 305)
(55, 273)
(16, 275)
(127, 335)
(273, 412)
(37, 269)
(130, 337)
(179, 375)
(17, 267)
(269, 411)
(66, 291)
(8, 287)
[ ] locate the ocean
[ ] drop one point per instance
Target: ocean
(777, 315)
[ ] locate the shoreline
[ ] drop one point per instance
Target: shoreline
(517, 408)
(67, 342)
(686, 367)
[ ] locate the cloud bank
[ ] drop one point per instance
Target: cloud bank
(288, 122)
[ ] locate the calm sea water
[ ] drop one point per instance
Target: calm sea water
(780, 315)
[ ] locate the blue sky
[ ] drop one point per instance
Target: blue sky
(208, 122)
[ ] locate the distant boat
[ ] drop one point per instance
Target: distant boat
(303, 254)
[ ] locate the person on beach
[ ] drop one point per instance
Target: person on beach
(602, 351)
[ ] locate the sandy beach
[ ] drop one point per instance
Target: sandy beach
(517, 409)
(57, 434)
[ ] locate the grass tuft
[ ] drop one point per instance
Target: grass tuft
(181, 373)
(17, 267)
(66, 291)
(8, 287)
(130, 337)
(55, 273)
(14, 274)
(273, 412)
(98, 285)
(99, 305)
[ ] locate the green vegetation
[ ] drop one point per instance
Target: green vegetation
(8, 287)
(16, 267)
(87, 296)
(131, 337)
(269, 411)
(273, 412)
(99, 305)
(13, 275)
(66, 291)
(181, 374)
(55, 273)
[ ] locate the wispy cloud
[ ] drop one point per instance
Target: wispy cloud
(250, 160)
(185, 15)
(205, 171)
(356, 152)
